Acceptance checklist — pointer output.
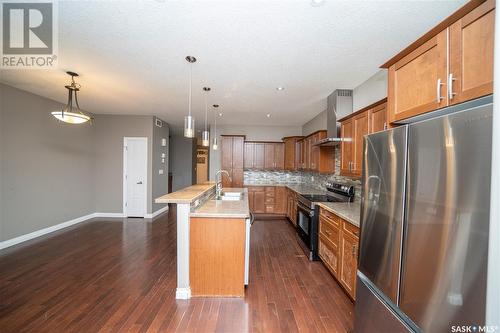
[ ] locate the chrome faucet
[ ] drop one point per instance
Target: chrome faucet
(218, 179)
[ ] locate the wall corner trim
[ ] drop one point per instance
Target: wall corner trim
(156, 213)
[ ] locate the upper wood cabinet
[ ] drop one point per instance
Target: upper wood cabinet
(360, 130)
(451, 64)
(346, 155)
(354, 127)
(292, 152)
(232, 148)
(471, 54)
(417, 83)
(377, 118)
(264, 155)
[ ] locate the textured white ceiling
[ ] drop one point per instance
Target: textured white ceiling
(131, 54)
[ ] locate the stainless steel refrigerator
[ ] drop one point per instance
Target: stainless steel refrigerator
(424, 222)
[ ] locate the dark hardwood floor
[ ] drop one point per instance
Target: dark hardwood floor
(113, 276)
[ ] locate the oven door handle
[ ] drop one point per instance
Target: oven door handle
(305, 209)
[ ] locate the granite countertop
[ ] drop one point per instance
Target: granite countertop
(186, 195)
(349, 211)
(224, 209)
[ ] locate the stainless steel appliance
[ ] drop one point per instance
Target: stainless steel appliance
(425, 221)
(338, 105)
(308, 214)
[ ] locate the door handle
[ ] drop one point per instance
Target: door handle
(438, 91)
(450, 86)
(139, 183)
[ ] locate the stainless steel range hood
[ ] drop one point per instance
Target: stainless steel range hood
(339, 105)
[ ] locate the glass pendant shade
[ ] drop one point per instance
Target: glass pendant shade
(205, 138)
(71, 117)
(189, 126)
(215, 146)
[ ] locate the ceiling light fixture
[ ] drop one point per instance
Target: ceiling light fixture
(205, 135)
(70, 114)
(280, 88)
(215, 146)
(268, 115)
(220, 114)
(189, 120)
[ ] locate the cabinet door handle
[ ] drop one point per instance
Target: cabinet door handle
(450, 86)
(385, 125)
(354, 250)
(438, 91)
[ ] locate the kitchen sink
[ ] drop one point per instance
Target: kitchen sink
(230, 196)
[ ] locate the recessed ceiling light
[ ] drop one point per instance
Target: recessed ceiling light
(280, 88)
(220, 114)
(317, 3)
(268, 115)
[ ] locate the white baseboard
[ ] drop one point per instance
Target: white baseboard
(158, 212)
(44, 231)
(183, 293)
(110, 215)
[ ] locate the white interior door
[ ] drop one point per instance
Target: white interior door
(135, 166)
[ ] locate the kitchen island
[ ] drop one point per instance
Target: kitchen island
(212, 241)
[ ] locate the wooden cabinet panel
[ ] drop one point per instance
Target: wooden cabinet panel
(279, 156)
(217, 270)
(471, 54)
(292, 153)
(329, 254)
(237, 176)
(232, 148)
(338, 249)
(302, 157)
(349, 249)
(347, 134)
(259, 206)
(281, 197)
(360, 130)
(377, 118)
(417, 83)
(249, 155)
(259, 156)
(269, 161)
(238, 147)
(226, 152)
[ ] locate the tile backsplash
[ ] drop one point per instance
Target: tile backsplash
(314, 179)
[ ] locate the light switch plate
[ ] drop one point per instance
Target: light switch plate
(160, 172)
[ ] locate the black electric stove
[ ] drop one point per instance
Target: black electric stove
(308, 214)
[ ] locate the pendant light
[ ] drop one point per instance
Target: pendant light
(205, 135)
(70, 114)
(215, 146)
(189, 120)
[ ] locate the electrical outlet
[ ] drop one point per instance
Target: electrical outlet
(160, 172)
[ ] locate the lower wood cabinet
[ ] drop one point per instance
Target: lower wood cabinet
(338, 249)
(291, 211)
(267, 199)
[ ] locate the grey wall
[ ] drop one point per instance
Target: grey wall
(315, 124)
(160, 182)
(46, 166)
(52, 172)
(370, 91)
(253, 133)
(109, 131)
(182, 158)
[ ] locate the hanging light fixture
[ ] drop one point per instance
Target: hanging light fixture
(205, 135)
(215, 146)
(70, 114)
(189, 120)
